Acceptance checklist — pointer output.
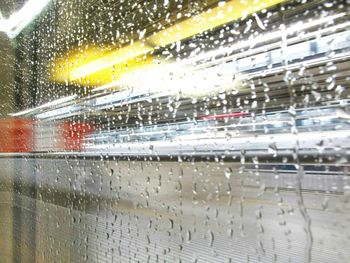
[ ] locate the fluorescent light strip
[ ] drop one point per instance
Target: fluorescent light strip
(46, 105)
(227, 50)
(212, 18)
(262, 38)
(22, 18)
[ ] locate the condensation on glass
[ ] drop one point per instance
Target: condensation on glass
(175, 131)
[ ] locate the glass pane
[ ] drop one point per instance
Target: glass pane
(174, 131)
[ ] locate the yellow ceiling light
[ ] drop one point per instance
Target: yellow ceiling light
(110, 74)
(94, 67)
(62, 67)
(112, 58)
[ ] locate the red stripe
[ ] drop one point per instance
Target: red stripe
(227, 115)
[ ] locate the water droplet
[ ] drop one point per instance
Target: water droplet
(171, 223)
(211, 238)
(228, 172)
(292, 111)
(272, 148)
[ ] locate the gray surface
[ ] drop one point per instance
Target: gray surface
(170, 211)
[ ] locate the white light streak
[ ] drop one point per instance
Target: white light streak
(22, 18)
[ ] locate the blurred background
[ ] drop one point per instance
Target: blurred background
(174, 131)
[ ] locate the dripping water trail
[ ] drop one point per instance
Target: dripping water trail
(304, 213)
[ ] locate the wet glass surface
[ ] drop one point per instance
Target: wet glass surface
(175, 131)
